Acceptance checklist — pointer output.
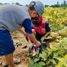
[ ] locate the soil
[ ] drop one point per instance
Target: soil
(23, 54)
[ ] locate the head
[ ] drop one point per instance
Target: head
(36, 9)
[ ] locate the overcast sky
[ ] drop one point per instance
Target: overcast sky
(24, 2)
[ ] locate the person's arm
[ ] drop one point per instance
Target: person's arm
(22, 32)
(47, 31)
(28, 29)
(47, 34)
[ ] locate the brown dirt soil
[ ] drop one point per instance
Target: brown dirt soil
(23, 54)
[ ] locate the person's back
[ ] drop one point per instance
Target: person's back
(12, 16)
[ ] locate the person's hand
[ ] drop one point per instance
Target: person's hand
(37, 44)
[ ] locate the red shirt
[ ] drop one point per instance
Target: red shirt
(40, 29)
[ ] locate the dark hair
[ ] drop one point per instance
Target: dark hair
(31, 8)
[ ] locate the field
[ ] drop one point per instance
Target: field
(56, 54)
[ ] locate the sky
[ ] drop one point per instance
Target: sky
(24, 2)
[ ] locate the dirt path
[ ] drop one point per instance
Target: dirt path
(23, 55)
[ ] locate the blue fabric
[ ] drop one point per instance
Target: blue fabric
(47, 27)
(28, 26)
(6, 43)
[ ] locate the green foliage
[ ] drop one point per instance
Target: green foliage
(51, 56)
(63, 32)
(57, 17)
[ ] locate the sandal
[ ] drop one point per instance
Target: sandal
(4, 64)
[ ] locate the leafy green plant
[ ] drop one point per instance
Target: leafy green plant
(49, 56)
(53, 56)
